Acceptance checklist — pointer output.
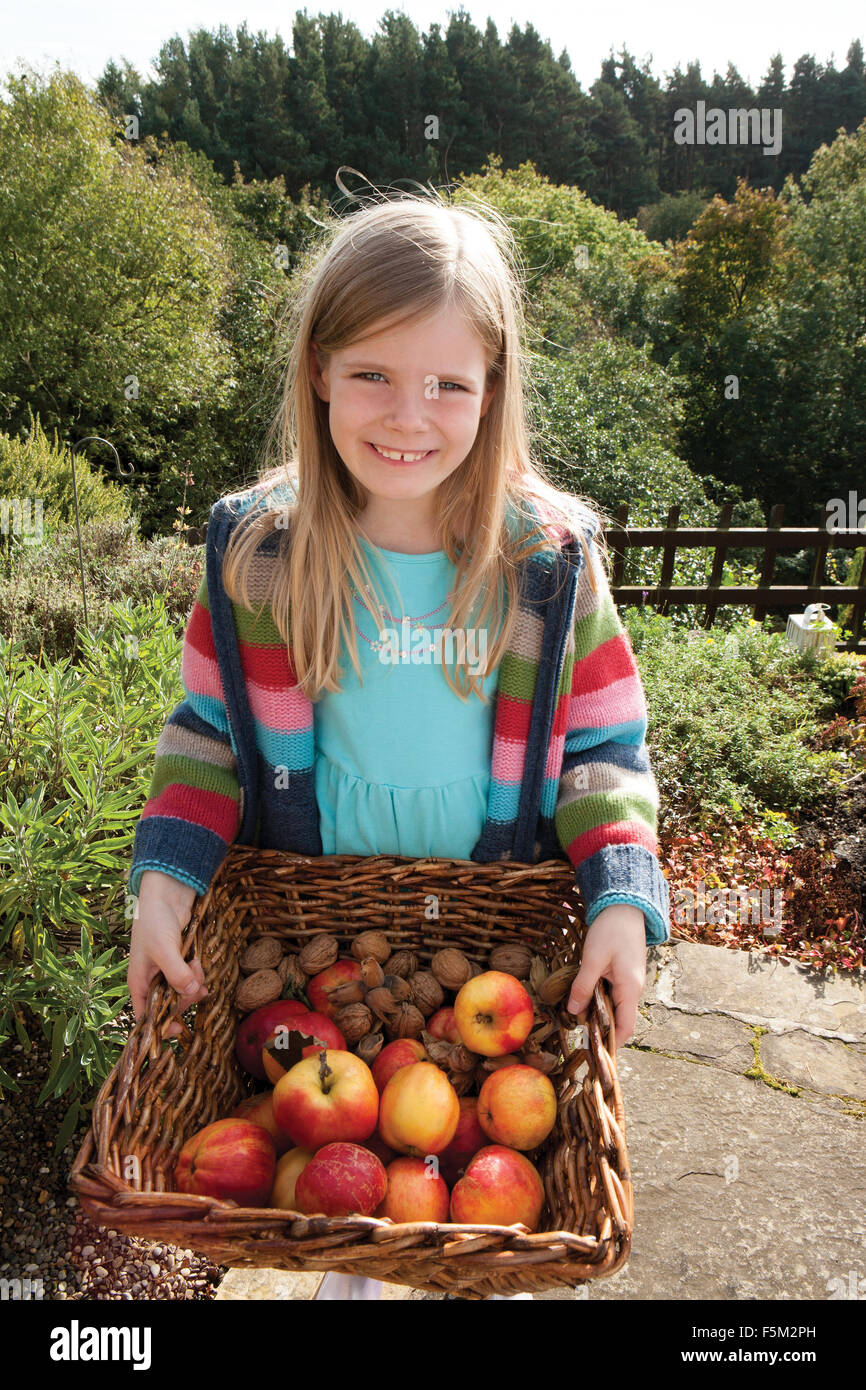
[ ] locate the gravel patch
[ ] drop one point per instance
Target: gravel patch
(44, 1234)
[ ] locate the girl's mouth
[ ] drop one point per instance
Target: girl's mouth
(401, 460)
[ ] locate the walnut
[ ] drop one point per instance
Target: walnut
(372, 973)
(427, 993)
(383, 1003)
(291, 974)
(511, 960)
(261, 988)
(403, 963)
(371, 943)
(354, 1022)
(451, 968)
(264, 954)
(407, 1023)
(318, 952)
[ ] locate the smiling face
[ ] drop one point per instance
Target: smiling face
(418, 392)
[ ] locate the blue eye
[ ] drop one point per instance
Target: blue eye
(365, 375)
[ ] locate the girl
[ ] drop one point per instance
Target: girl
(406, 504)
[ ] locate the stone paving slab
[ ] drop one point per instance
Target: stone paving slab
(820, 1064)
(741, 1191)
(710, 1038)
(773, 991)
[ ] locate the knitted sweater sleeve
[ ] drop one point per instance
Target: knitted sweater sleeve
(607, 802)
(192, 813)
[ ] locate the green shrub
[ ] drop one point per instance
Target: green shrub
(40, 469)
(40, 593)
(731, 716)
(77, 746)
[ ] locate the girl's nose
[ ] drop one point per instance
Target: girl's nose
(408, 410)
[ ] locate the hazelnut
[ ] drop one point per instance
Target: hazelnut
(383, 1003)
(461, 1059)
(543, 1061)
(345, 992)
(369, 1047)
(372, 973)
(400, 988)
(291, 974)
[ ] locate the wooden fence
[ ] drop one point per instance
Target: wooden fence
(722, 538)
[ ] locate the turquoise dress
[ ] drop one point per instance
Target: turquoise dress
(402, 763)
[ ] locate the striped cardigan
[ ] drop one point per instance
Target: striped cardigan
(570, 771)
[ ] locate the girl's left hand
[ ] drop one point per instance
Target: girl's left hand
(615, 947)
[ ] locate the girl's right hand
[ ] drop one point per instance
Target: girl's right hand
(164, 909)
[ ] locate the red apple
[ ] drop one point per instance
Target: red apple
(260, 1109)
(419, 1110)
(500, 1187)
(339, 973)
(394, 1055)
(278, 1051)
(329, 1096)
(517, 1107)
(416, 1192)
(443, 1025)
(289, 1169)
(232, 1159)
(494, 1014)
(257, 1026)
(469, 1137)
(341, 1179)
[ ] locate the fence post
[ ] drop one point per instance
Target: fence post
(777, 514)
(668, 558)
(718, 565)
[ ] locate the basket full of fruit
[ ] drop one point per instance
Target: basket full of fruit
(383, 1080)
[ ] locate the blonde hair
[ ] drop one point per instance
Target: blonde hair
(394, 262)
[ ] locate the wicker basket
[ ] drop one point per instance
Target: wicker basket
(161, 1091)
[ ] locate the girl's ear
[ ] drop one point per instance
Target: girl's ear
(319, 384)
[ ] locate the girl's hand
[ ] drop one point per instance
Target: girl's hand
(164, 908)
(615, 947)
